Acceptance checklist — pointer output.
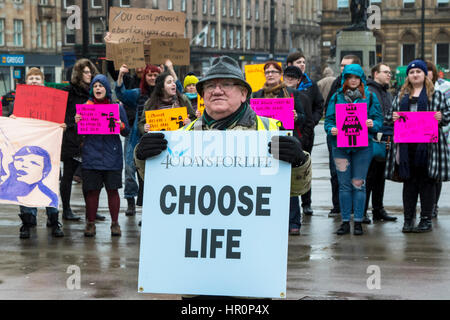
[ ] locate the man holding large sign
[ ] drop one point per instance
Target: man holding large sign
(225, 93)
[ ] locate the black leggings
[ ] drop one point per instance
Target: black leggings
(419, 184)
(65, 188)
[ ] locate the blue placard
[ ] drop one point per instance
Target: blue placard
(215, 216)
(12, 60)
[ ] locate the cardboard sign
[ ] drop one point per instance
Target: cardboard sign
(177, 50)
(200, 104)
(278, 108)
(416, 127)
(98, 118)
(39, 102)
(166, 119)
(225, 200)
(351, 124)
(141, 25)
(254, 74)
(131, 54)
(30, 153)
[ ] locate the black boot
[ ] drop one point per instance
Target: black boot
(307, 211)
(366, 219)
(68, 215)
(27, 223)
(55, 225)
(344, 229)
(357, 229)
(382, 215)
(434, 214)
(131, 210)
(424, 225)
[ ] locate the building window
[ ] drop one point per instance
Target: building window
(213, 7)
(408, 3)
(342, 4)
(43, 2)
(2, 32)
(238, 8)
(68, 3)
(169, 4)
(18, 1)
(442, 55)
(97, 33)
(265, 16)
(183, 5)
(249, 9)
(231, 8)
(38, 34)
(408, 53)
(443, 3)
(155, 4)
(231, 37)
(379, 49)
(224, 38)
(204, 6)
(194, 6)
(125, 3)
(257, 10)
(213, 37)
(238, 38)
(224, 8)
(248, 39)
(18, 33)
(49, 32)
(97, 4)
(257, 38)
(70, 36)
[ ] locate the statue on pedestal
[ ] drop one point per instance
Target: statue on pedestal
(358, 9)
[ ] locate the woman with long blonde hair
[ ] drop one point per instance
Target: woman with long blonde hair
(419, 165)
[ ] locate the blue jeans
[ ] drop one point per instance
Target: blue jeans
(294, 213)
(333, 174)
(33, 211)
(131, 186)
(351, 171)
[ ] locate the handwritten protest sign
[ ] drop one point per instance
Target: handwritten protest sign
(30, 152)
(254, 74)
(217, 192)
(200, 104)
(39, 102)
(166, 119)
(280, 109)
(351, 124)
(177, 50)
(131, 54)
(416, 127)
(141, 25)
(98, 118)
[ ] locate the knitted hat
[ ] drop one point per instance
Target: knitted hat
(293, 72)
(420, 64)
(104, 81)
(224, 67)
(191, 79)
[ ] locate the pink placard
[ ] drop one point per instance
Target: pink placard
(98, 119)
(277, 108)
(351, 124)
(416, 127)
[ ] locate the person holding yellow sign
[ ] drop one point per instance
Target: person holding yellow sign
(166, 96)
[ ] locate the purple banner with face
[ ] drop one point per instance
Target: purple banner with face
(351, 124)
(99, 119)
(416, 127)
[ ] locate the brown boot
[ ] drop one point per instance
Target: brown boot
(115, 229)
(90, 229)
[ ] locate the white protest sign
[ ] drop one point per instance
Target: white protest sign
(215, 216)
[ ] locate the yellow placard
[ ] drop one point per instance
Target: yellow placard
(166, 119)
(200, 104)
(254, 75)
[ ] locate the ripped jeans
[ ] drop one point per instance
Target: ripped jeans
(351, 171)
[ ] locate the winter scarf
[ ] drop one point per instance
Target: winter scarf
(272, 92)
(227, 122)
(421, 155)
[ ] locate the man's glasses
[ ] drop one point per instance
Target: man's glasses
(387, 72)
(224, 86)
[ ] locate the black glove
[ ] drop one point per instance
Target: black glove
(150, 145)
(287, 148)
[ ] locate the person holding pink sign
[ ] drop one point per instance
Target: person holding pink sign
(102, 161)
(419, 165)
(352, 163)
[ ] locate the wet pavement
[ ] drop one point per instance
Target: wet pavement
(384, 263)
